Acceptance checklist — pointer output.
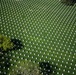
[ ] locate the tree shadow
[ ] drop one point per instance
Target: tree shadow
(47, 68)
(68, 2)
(4, 64)
(17, 44)
(5, 58)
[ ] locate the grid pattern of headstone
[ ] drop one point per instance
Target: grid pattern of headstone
(47, 29)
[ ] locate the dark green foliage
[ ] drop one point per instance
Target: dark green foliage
(5, 43)
(9, 44)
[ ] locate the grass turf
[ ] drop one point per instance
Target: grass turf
(46, 29)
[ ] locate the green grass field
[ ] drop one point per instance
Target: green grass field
(47, 29)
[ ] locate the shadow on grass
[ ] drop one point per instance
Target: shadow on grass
(46, 68)
(68, 2)
(4, 56)
(17, 44)
(4, 64)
